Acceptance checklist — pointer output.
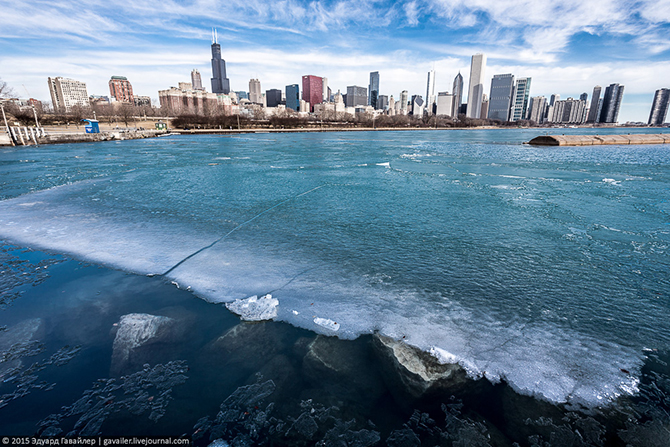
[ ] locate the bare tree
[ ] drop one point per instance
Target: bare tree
(5, 90)
(126, 113)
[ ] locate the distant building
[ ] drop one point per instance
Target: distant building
(67, 93)
(553, 98)
(178, 101)
(404, 99)
(538, 109)
(391, 106)
(659, 108)
(373, 90)
(120, 89)
(273, 97)
(382, 102)
(584, 97)
(594, 110)
(430, 91)
(325, 90)
(185, 86)
(196, 80)
(142, 101)
(242, 95)
(304, 106)
(255, 94)
(97, 100)
(220, 83)
(611, 102)
(485, 107)
(445, 104)
(356, 96)
(520, 100)
(569, 111)
(457, 91)
(293, 97)
(312, 90)
(476, 86)
(417, 106)
(500, 102)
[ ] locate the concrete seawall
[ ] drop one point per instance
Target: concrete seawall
(597, 140)
(56, 138)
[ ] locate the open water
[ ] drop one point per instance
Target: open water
(541, 271)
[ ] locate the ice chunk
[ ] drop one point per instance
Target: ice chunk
(327, 323)
(254, 308)
(134, 331)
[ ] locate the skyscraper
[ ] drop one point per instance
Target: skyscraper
(553, 98)
(659, 108)
(356, 96)
(476, 86)
(500, 98)
(312, 90)
(121, 90)
(325, 89)
(255, 95)
(445, 104)
(609, 111)
(220, 83)
(430, 91)
(67, 93)
(458, 94)
(403, 101)
(373, 90)
(595, 102)
(196, 80)
(293, 97)
(538, 107)
(273, 97)
(584, 97)
(521, 95)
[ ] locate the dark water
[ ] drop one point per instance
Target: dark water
(543, 273)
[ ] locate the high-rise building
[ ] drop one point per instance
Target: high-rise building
(325, 89)
(553, 98)
(121, 90)
(220, 83)
(404, 96)
(382, 102)
(255, 93)
(430, 91)
(445, 104)
(67, 93)
(659, 108)
(242, 95)
(538, 109)
(500, 100)
(476, 86)
(196, 80)
(609, 111)
(273, 97)
(312, 90)
(594, 112)
(293, 97)
(569, 111)
(373, 90)
(520, 100)
(356, 96)
(417, 106)
(485, 107)
(178, 101)
(584, 97)
(458, 95)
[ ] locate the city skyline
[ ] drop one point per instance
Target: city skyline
(566, 48)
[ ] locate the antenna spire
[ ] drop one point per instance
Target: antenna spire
(216, 36)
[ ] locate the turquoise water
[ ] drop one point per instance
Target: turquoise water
(543, 267)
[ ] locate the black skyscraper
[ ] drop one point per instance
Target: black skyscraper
(220, 83)
(609, 111)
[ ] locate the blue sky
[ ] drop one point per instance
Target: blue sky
(566, 46)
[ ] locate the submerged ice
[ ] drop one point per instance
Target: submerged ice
(494, 257)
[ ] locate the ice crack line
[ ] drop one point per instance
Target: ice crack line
(237, 227)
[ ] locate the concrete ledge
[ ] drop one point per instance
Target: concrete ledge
(57, 138)
(592, 140)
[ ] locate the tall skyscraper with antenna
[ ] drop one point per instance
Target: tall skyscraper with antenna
(430, 91)
(220, 83)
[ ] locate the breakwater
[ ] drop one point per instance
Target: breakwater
(24, 136)
(596, 140)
